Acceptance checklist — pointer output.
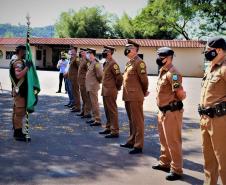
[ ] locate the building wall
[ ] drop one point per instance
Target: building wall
(48, 49)
(189, 61)
(4, 48)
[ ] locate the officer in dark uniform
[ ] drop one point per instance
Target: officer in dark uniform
(111, 84)
(82, 70)
(135, 88)
(18, 71)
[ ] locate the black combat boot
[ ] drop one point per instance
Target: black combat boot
(20, 136)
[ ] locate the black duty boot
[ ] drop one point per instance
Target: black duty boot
(162, 168)
(173, 177)
(80, 114)
(136, 151)
(20, 136)
(94, 124)
(86, 116)
(127, 145)
(111, 135)
(90, 121)
(106, 131)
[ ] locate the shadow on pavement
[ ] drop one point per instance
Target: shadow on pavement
(64, 146)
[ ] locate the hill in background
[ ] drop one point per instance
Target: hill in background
(8, 30)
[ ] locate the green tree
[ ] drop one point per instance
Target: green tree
(123, 27)
(87, 23)
(213, 15)
(147, 27)
(62, 25)
(168, 16)
(8, 34)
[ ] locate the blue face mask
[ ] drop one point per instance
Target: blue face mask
(88, 56)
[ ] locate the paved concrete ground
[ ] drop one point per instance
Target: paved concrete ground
(65, 150)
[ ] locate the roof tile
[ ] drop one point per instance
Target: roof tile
(101, 42)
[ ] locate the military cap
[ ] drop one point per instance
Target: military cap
(20, 47)
(133, 43)
(217, 42)
(165, 51)
(108, 48)
(83, 49)
(91, 50)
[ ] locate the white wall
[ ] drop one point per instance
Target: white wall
(189, 61)
(4, 62)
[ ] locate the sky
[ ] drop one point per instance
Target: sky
(46, 12)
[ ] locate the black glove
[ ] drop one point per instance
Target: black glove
(28, 64)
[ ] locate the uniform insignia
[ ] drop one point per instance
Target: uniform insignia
(142, 65)
(175, 77)
(115, 66)
(117, 71)
(142, 71)
(97, 65)
(176, 85)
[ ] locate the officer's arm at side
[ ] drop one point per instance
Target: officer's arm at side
(176, 82)
(142, 73)
(99, 72)
(118, 76)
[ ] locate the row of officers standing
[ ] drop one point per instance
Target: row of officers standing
(85, 74)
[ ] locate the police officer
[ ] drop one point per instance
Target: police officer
(135, 88)
(212, 110)
(111, 83)
(170, 94)
(93, 80)
(86, 106)
(18, 71)
(73, 77)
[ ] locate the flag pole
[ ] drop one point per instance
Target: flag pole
(27, 113)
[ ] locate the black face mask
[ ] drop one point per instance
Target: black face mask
(104, 55)
(210, 55)
(126, 52)
(159, 62)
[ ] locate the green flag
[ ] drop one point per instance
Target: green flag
(33, 82)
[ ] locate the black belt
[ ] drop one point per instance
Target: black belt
(217, 110)
(173, 106)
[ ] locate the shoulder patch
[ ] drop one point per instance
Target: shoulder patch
(142, 71)
(175, 77)
(116, 66)
(176, 85)
(142, 65)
